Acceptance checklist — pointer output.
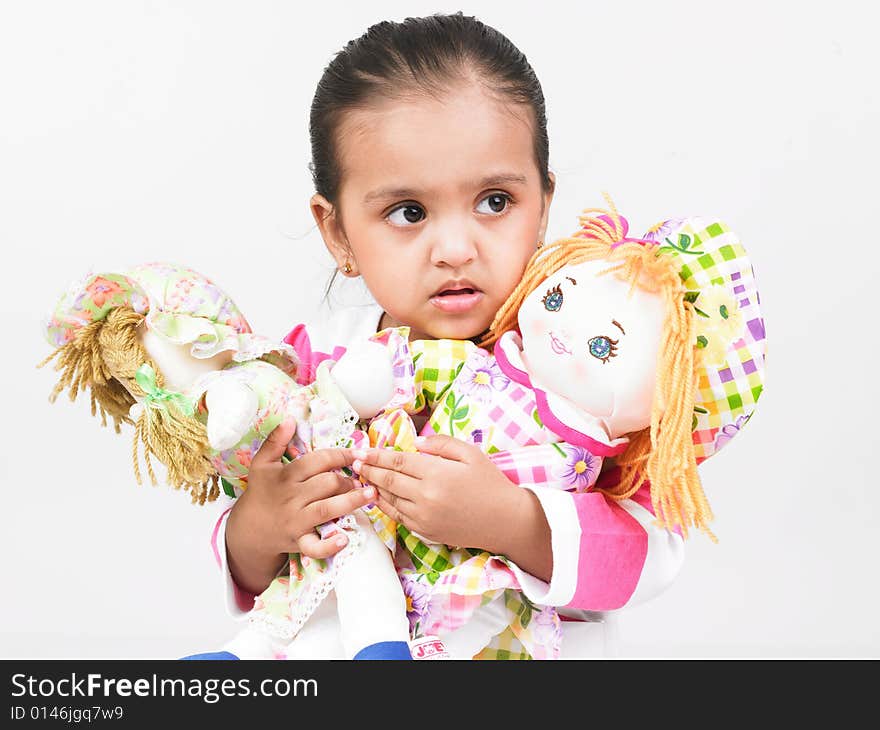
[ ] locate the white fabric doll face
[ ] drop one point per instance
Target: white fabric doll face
(591, 340)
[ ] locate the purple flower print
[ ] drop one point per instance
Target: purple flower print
(659, 231)
(547, 627)
(581, 467)
(417, 599)
(729, 431)
(479, 377)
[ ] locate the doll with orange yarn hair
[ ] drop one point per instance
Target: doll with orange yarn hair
(648, 351)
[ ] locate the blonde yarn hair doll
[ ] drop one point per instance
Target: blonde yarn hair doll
(124, 337)
(649, 350)
(710, 359)
(163, 349)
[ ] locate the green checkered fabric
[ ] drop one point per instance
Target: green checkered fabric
(437, 362)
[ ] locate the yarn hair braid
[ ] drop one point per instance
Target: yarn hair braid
(663, 453)
(103, 357)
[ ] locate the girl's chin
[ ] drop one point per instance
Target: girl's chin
(443, 328)
(458, 330)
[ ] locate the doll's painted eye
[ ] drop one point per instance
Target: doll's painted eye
(553, 299)
(603, 347)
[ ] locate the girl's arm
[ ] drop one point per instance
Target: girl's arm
(579, 550)
(607, 553)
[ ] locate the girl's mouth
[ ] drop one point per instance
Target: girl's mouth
(457, 297)
(457, 300)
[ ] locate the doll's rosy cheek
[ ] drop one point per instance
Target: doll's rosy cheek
(537, 326)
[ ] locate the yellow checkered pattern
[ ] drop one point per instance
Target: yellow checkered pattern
(437, 364)
(727, 392)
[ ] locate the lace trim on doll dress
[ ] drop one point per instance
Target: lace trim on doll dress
(283, 614)
(287, 604)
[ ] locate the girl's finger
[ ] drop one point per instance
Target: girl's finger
(391, 481)
(403, 462)
(275, 445)
(319, 461)
(332, 508)
(394, 507)
(311, 545)
(321, 486)
(445, 446)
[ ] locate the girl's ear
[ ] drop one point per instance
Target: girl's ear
(545, 214)
(324, 213)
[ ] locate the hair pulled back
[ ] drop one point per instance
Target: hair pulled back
(426, 55)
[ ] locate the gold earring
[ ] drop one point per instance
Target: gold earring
(347, 268)
(540, 243)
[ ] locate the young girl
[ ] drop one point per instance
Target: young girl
(430, 164)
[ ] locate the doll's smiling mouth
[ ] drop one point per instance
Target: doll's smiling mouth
(558, 346)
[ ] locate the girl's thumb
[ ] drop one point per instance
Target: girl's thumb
(275, 445)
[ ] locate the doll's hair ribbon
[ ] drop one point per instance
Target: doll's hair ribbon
(158, 398)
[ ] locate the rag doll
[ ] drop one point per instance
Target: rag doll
(162, 349)
(648, 350)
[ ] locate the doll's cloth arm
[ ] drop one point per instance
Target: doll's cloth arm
(328, 339)
(607, 554)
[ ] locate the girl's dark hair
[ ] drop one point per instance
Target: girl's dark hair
(421, 55)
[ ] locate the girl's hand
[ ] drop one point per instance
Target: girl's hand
(449, 492)
(283, 504)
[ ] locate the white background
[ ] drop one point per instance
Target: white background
(135, 131)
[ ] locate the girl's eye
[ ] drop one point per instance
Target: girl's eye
(406, 215)
(553, 299)
(603, 347)
(494, 204)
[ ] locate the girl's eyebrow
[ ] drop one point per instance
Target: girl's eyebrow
(490, 181)
(618, 325)
(391, 193)
(494, 181)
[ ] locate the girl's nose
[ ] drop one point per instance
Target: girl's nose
(453, 247)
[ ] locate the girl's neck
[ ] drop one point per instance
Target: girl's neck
(386, 320)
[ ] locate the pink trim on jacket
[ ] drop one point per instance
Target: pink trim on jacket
(243, 599)
(612, 553)
(215, 534)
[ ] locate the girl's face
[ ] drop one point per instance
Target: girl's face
(440, 207)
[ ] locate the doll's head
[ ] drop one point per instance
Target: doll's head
(594, 340)
(659, 338)
(145, 337)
